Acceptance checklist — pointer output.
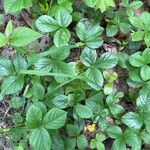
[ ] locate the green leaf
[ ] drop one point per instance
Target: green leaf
(23, 36)
(107, 61)
(94, 78)
(145, 17)
(136, 60)
(19, 62)
(16, 102)
(38, 91)
(119, 144)
(132, 139)
(82, 142)
(60, 53)
(146, 55)
(93, 143)
(9, 29)
(108, 88)
(88, 57)
(137, 22)
(138, 36)
(133, 120)
(46, 23)
(100, 146)
(72, 130)
(40, 139)
(16, 5)
(83, 111)
(145, 137)
(3, 40)
(90, 3)
(136, 4)
(147, 38)
(33, 117)
(70, 143)
(142, 101)
(114, 131)
(100, 137)
(125, 3)
(116, 110)
(90, 33)
(124, 27)
(111, 30)
(61, 37)
(44, 65)
(145, 73)
(134, 75)
(63, 17)
(54, 119)
(6, 67)
(61, 68)
(103, 5)
(12, 84)
(60, 101)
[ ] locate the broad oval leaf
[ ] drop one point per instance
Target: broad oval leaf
(107, 61)
(40, 139)
(83, 111)
(23, 36)
(136, 60)
(46, 23)
(133, 120)
(3, 40)
(89, 33)
(61, 37)
(6, 67)
(54, 119)
(33, 117)
(145, 72)
(63, 17)
(44, 64)
(114, 131)
(16, 5)
(12, 84)
(94, 78)
(88, 57)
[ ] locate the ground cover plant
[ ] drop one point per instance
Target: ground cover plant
(74, 74)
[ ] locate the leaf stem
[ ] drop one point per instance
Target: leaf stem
(59, 86)
(39, 73)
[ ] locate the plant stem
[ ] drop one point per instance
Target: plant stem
(59, 86)
(39, 73)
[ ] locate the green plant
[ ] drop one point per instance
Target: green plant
(100, 4)
(97, 142)
(81, 82)
(117, 21)
(131, 7)
(142, 24)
